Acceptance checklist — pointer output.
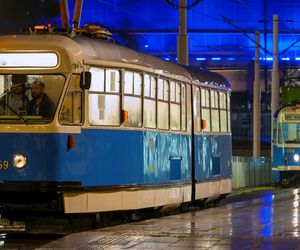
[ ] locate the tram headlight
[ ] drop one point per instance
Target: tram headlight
(19, 161)
(296, 157)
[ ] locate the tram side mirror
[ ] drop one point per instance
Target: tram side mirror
(85, 79)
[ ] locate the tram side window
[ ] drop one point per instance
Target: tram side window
(197, 108)
(223, 112)
(149, 101)
(71, 112)
(104, 97)
(163, 104)
(205, 104)
(228, 112)
(175, 92)
(133, 98)
(183, 107)
(214, 95)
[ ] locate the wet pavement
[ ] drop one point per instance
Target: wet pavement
(264, 219)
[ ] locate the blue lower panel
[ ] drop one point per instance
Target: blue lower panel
(100, 157)
(212, 156)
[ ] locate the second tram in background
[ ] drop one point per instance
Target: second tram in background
(142, 133)
(286, 135)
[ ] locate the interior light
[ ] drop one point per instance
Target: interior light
(216, 58)
(285, 58)
(200, 59)
(296, 157)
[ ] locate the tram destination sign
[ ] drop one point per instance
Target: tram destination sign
(292, 117)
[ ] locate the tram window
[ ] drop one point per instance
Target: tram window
(104, 97)
(112, 81)
(197, 121)
(215, 120)
(133, 98)
(175, 105)
(71, 112)
(205, 108)
(228, 112)
(163, 104)
(280, 135)
(97, 83)
(274, 131)
(149, 101)
(223, 112)
(183, 107)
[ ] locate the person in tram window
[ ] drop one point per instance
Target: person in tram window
(41, 104)
(16, 98)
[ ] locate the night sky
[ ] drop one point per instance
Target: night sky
(16, 15)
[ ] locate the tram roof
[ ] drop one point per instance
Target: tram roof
(95, 49)
(100, 50)
(204, 77)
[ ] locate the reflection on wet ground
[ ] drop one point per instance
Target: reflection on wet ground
(268, 221)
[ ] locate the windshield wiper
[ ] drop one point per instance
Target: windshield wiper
(10, 108)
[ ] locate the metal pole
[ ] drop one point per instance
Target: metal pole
(256, 100)
(182, 40)
(275, 76)
(77, 14)
(64, 14)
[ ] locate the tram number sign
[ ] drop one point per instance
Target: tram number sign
(4, 165)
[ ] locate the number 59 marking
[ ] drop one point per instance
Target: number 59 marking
(4, 164)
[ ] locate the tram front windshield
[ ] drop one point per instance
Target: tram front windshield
(28, 98)
(289, 133)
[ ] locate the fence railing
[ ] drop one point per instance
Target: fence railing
(251, 171)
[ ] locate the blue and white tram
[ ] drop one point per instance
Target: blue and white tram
(141, 133)
(286, 145)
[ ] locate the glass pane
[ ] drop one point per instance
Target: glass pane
(71, 109)
(134, 107)
(97, 83)
(177, 92)
(166, 90)
(222, 100)
(291, 132)
(149, 113)
(223, 120)
(207, 104)
(137, 84)
(160, 89)
(183, 108)
(198, 121)
(203, 100)
(175, 116)
(112, 80)
(206, 117)
(128, 82)
(104, 109)
(216, 99)
(173, 93)
(229, 121)
(212, 98)
(22, 92)
(215, 120)
(163, 115)
(153, 87)
(66, 114)
(147, 85)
